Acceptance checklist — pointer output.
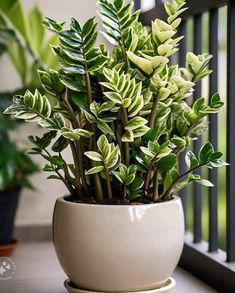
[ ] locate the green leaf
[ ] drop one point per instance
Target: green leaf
(18, 57)
(118, 176)
(215, 98)
(112, 160)
(165, 164)
(51, 82)
(54, 177)
(133, 195)
(198, 179)
(83, 132)
(104, 128)
(55, 160)
(47, 138)
(137, 183)
(135, 123)
(60, 144)
(128, 136)
(191, 160)
(102, 142)
(167, 182)
(53, 25)
(129, 179)
(94, 170)
(17, 17)
(94, 156)
(147, 152)
(205, 182)
(47, 168)
(89, 117)
(199, 105)
(37, 31)
(205, 153)
(80, 100)
(114, 97)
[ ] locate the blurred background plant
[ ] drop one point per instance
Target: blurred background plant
(23, 39)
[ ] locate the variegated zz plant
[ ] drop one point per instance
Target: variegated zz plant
(126, 115)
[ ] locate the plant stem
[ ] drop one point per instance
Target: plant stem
(108, 183)
(77, 149)
(77, 171)
(68, 177)
(114, 128)
(192, 126)
(153, 113)
(124, 192)
(98, 186)
(70, 188)
(126, 144)
(167, 194)
(88, 87)
(148, 175)
(147, 180)
(155, 186)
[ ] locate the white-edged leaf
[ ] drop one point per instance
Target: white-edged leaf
(135, 123)
(94, 156)
(114, 97)
(147, 152)
(94, 170)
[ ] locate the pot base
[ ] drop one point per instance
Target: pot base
(7, 249)
(166, 288)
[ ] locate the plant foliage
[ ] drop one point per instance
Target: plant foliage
(126, 114)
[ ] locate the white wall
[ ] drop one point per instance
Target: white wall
(37, 208)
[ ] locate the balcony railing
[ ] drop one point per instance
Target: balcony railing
(205, 259)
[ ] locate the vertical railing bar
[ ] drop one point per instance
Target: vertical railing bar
(231, 134)
(182, 165)
(213, 130)
(197, 191)
(137, 4)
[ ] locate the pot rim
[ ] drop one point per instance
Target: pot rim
(169, 202)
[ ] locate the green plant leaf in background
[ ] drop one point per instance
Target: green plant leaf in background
(25, 37)
(37, 32)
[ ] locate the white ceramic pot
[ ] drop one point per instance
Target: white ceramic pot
(114, 248)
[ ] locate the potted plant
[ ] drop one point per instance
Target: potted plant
(126, 117)
(15, 168)
(22, 40)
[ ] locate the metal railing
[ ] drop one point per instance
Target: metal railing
(205, 259)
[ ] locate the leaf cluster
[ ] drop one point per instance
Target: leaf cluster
(126, 114)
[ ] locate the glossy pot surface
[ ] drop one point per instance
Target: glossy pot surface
(115, 248)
